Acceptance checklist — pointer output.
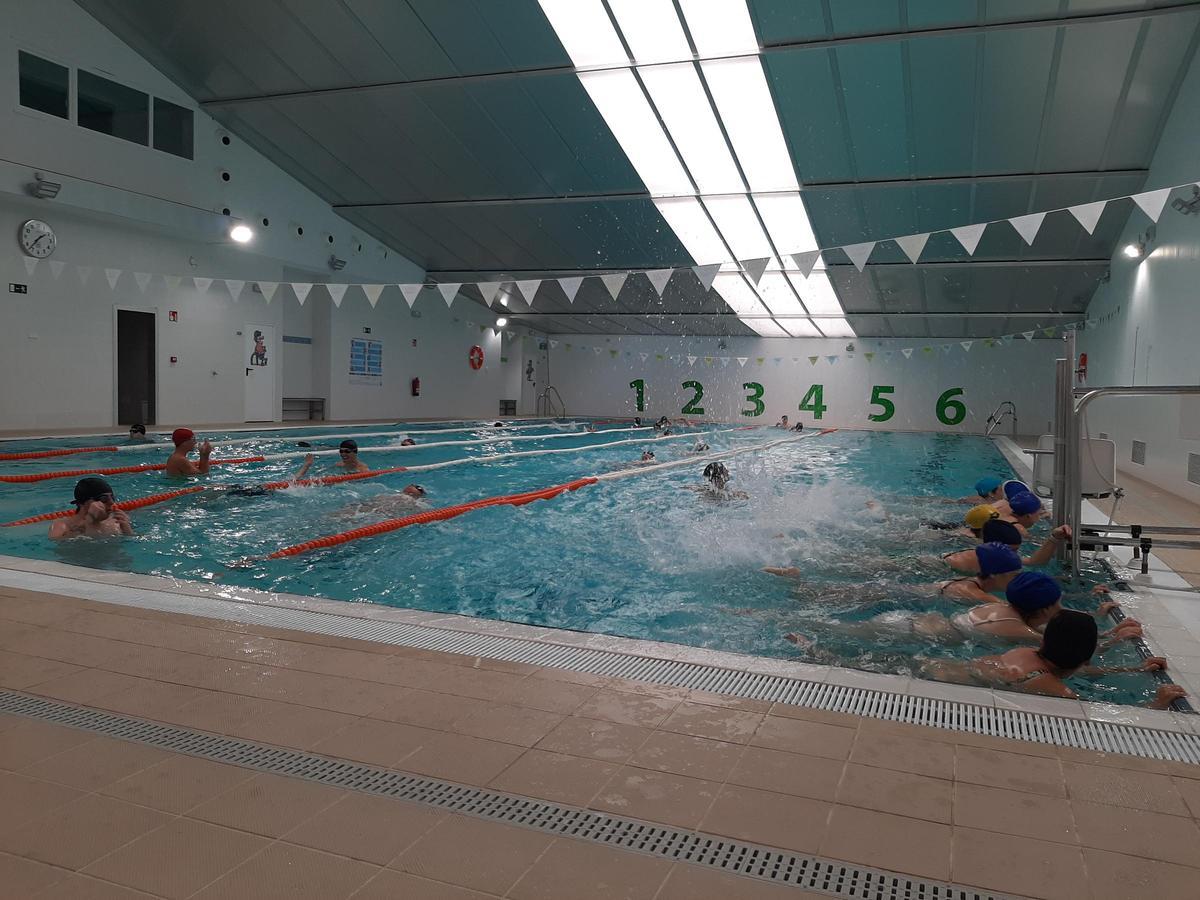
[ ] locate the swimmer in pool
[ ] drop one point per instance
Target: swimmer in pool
(662, 423)
(783, 423)
(408, 501)
(717, 478)
(95, 513)
(987, 490)
(799, 426)
(178, 462)
(348, 453)
(647, 457)
(408, 442)
(700, 447)
(972, 523)
(137, 435)
(1024, 510)
(1008, 490)
(1067, 645)
(998, 531)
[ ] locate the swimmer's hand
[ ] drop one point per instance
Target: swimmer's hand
(798, 639)
(1127, 630)
(1100, 589)
(206, 449)
(1154, 664)
(1166, 695)
(1106, 607)
(783, 571)
(245, 562)
(1061, 533)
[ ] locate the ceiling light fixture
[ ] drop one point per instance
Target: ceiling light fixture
(501, 322)
(1140, 247)
(242, 234)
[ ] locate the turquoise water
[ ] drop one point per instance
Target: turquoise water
(643, 557)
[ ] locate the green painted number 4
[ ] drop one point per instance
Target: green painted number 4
(640, 386)
(813, 401)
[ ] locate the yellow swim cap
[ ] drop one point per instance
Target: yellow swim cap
(977, 516)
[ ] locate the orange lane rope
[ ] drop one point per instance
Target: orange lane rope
(65, 451)
(433, 515)
(120, 470)
(124, 504)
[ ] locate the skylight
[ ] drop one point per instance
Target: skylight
(652, 30)
(720, 27)
(586, 32)
(693, 228)
(736, 220)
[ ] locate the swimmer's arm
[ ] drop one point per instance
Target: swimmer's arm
(205, 452)
(1150, 664)
(1047, 686)
(1045, 553)
(122, 519)
(308, 461)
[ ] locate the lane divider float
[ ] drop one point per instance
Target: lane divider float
(119, 470)
(126, 505)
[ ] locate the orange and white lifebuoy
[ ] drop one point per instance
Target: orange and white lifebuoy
(475, 357)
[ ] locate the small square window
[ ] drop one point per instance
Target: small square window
(172, 128)
(112, 108)
(45, 86)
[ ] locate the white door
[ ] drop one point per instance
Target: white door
(261, 358)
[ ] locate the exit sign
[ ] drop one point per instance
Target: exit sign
(18, 288)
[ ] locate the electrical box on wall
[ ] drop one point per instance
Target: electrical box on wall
(173, 315)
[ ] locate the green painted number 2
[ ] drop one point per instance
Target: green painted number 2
(949, 410)
(754, 397)
(813, 401)
(690, 408)
(877, 399)
(640, 386)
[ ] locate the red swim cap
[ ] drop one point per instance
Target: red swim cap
(179, 435)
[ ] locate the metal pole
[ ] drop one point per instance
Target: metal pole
(1062, 408)
(1074, 488)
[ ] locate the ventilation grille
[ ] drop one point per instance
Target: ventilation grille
(836, 879)
(1194, 468)
(1139, 453)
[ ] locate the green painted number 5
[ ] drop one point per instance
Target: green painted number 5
(690, 408)
(640, 386)
(754, 397)
(877, 399)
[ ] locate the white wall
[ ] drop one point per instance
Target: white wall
(598, 384)
(1150, 319)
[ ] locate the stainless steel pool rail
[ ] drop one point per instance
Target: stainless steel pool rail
(1007, 408)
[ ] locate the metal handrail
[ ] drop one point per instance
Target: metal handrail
(997, 417)
(544, 403)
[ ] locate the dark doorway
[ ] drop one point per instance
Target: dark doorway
(135, 367)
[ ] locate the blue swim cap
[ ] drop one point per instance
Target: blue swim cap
(1031, 591)
(997, 559)
(987, 484)
(1024, 504)
(1012, 487)
(1000, 532)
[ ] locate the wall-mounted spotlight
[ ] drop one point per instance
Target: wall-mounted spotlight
(1141, 244)
(336, 264)
(501, 322)
(504, 299)
(43, 189)
(242, 234)
(1188, 207)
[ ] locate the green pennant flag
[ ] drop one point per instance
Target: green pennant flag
(759, 359)
(568, 346)
(989, 342)
(612, 353)
(869, 355)
(482, 329)
(1049, 332)
(813, 359)
(926, 350)
(658, 356)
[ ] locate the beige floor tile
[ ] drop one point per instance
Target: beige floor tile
(360, 826)
(683, 754)
(1189, 790)
(1135, 790)
(288, 872)
(222, 712)
(84, 686)
(904, 754)
(462, 758)
(1018, 865)
(472, 853)
(375, 742)
(657, 797)
(627, 709)
(32, 741)
(25, 877)
(800, 736)
(18, 671)
(509, 724)
(716, 722)
(23, 799)
(178, 859)
(707, 698)
(80, 832)
(391, 885)
(148, 699)
(559, 697)
(429, 709)
(8, 722)
(584, 871)
(85, 887)
(1014, 812)
(1035, 775)
(593, 738)
(178, 783)
(788, 773)
(1115, 876)
(300, 727)
(901, 793)
(1138, 832)
(808, 714)
(898, 843)
(555, 776)
(482, 684)
(688, 882)
(96, 764)
(1112, 760)
(778, 820)
(267, 804)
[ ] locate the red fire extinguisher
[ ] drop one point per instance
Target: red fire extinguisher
(416, 387)
(1083, 367)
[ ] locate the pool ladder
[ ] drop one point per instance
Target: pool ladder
(1006, 408)
(545, 404)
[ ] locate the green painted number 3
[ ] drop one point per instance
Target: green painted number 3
(640, 386)
(949, 410)
(690, 408)
(754, 397)
(813, 401)
(877, 399)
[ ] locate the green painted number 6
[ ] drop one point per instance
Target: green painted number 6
(755, 397)
(949, 410)
(690, 408)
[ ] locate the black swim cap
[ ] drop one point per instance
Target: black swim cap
(716, 470)
(91, 488)
(139, 428)
(348, 445)
(1001, 532)
(1069, 640)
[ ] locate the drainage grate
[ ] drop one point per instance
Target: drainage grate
(1139, 453)
(837, 879)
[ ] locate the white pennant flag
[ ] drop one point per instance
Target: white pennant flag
(1028, 335)
(301, 288)
(235, 288)
(946, 348)
(449, 291)
(913, 245)
(806, 260)
(888, 354)
(1152, 202)
(614, 282)
(777, 359)
(969, 235)
(143, 280)
(832, 359)
(336, 292)
(31, 265)
(755, 267)
(409, 291)
(554, 343)
(83, 272)
(1091, 323)
(966, 345)
(113, 276)
(1028, 226)
(570, 287)
(1088, 214)
(907, 351)
(724, 360)
(529, 289)
(706, 274)
(644, 356)
(659, 278)
(56, 267)
(691, 360)
(173, 282)
(268, 289)
(742, 360)
(487, 290)
(203, 284)
(859, 253)
(597, 350)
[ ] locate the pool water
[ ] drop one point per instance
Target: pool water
(645, 557)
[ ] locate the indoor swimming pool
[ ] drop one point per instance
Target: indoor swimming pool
(649, 556)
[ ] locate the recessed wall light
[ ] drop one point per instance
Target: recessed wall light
(243, 234)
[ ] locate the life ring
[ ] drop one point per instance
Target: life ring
(475, 357)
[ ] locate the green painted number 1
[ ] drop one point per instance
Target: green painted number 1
(640, 386)
(754, 397)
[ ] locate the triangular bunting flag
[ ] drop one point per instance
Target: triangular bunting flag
(869, 355)
(1152, 202)
(614, 282)
(529, 289)
(613, 353)
(946, 348)
(777, 359)
(173, 282)
(969, 235)
(742, 360)
(336, 292)
(708, 360)
(813, 359)
(1049, 332)
(966, 345)
(1028, 335)
(643, 356)
(1008, 338)
(597, 350)
(409, 291)
(691, 360)
(301, 289)
(907, 351)
(913, 245)
(31, 265)
(806, 260)
(83, 272)
(487, 290)
(1088, 214)
(724, 360)
(1028, 226)
(449, 290)
(759, 359)
(706, 274)
(1092, 323)
(832, 359)
(888, 354)
(570, 287)
(755, 267)
(268, 289)
(143, 280)
(56, 267)
(659, 278)
(927, 350)
(859, 253)
(203, 284)
(554, 343)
